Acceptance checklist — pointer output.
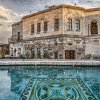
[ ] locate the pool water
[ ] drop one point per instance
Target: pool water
(50, 84)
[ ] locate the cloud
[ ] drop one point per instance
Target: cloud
(4, 35)
(25, 6)
(1, 24)
(89, 3)
(3, 17)
(7, 18)
(21, 6)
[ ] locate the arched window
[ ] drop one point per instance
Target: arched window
(94, 28)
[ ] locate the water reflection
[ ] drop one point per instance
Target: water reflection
(5, 86)
(5, 82)
(14, 82)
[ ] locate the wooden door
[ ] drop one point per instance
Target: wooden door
(69, 54)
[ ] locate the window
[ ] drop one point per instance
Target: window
(32, 28)
(38, 27)
(69, 25)
(45, 26)
(18, 38)
(77, 25)
(56, 24)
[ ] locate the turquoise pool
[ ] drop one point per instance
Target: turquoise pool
(43, 83)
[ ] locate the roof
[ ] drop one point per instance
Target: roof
(3, 44)
(53, 8)
(17, 23)
(92, 9)
(62, 6)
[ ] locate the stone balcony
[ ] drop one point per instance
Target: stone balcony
(14, 39)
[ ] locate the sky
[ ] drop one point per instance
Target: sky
(13, 10)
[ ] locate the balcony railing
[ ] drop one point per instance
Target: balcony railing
(14, 38)
(48, 62)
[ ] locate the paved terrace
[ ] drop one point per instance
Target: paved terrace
(47, 62)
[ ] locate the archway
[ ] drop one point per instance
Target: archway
(94, 28)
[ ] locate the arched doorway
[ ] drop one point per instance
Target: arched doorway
(94, 28)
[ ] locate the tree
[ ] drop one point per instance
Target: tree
(33, 54)
(39, 54)
(2, 54)
(46, 54)
(28, 54)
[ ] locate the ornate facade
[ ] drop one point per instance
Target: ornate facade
(60, 32)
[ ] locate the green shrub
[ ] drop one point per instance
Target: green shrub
(46, 54)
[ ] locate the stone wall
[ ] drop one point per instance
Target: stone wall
(74, 14)
(88, 20)
(93, 46)
(16, 28)
(40, 18)
(92, 41)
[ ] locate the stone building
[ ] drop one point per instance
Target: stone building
(16, 44)
(62, 32)
(92, 27)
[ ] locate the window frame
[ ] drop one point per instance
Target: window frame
(56, 24)
(77, 24)
(45, 26)
(32, 29)
(38, 27)
(18, 36)
(69, 24)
